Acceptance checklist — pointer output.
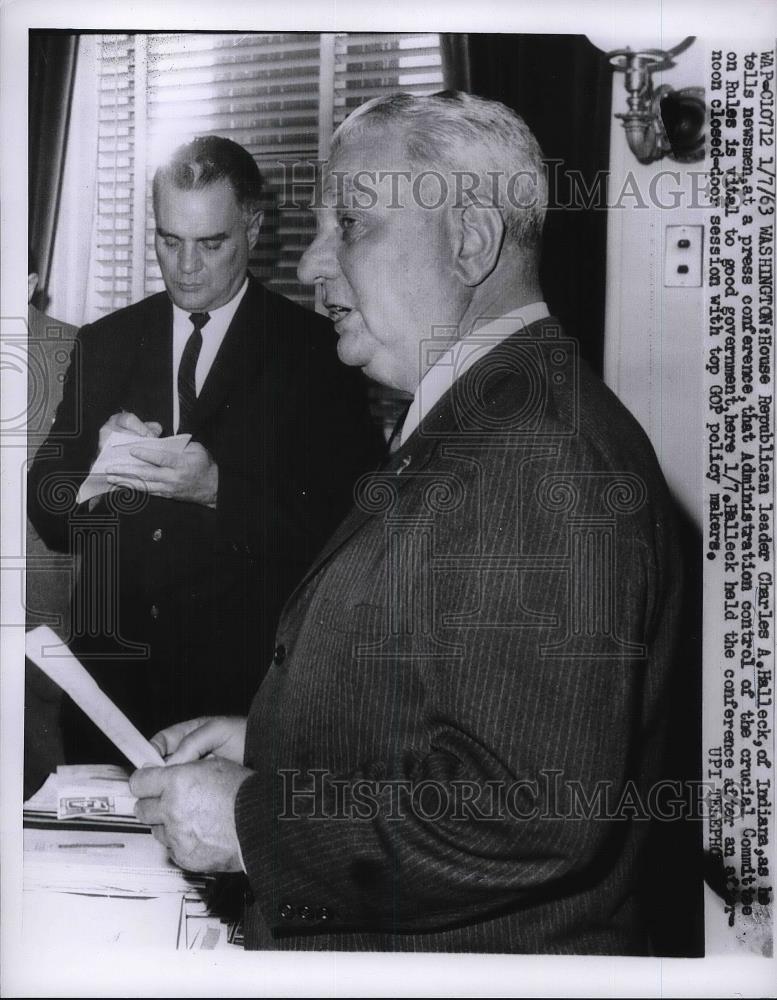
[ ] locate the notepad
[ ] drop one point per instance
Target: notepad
(117, 450)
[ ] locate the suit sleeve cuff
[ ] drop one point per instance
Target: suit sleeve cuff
(253, 810)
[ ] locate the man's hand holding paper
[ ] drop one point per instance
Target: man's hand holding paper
(190, 803)
(220, 735)
(189, 474)
(118, 436)
(130, 424)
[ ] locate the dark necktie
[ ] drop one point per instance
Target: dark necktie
(187, 387)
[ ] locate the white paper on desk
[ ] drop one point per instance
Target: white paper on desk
(64, 848)
(70, 921)
(117, 449)
(106, 863)
(47, 651)
(61, 847)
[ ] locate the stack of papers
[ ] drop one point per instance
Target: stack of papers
(102, 863)
(98, 793)
(92, 888)
(200, 930)
(94, 875)
(79, 837)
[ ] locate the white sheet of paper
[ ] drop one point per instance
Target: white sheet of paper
(102, 862)
(117, 449)
(63, 668)
(75, 921)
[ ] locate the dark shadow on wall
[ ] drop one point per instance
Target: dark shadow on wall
(561, 86)
(672, 879)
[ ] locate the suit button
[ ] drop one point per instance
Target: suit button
(324, 914)
(154, 611)
(306, 913)
(279, 655)
(157, 535)
(286, 911)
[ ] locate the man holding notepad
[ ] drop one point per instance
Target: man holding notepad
(240, 437)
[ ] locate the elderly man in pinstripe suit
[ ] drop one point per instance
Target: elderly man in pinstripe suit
(457, 745)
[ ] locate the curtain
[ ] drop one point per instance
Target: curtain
(454, 50)
(561, 86)
(51, 75)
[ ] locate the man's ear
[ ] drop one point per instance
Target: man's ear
(480, 235)
(254, 225)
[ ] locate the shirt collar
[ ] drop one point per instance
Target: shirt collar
(461, 356)
(220, 317)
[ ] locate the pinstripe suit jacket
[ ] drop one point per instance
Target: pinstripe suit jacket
(453, 747)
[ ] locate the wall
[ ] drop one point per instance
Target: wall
(653, 334)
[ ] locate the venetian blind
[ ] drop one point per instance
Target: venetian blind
(370, 65)
(279, 95)
(111, 271)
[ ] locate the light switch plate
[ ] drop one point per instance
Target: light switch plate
(683, 256)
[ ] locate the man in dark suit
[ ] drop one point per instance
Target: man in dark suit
(457, 743)
(186, 564)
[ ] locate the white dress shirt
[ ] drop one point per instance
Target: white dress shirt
(461, 356)
(213, 334)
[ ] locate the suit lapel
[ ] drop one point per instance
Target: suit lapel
(152, 384)
(444, 422)
(375, 495)
(237, 358)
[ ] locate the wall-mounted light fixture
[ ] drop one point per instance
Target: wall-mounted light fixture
(664, 121)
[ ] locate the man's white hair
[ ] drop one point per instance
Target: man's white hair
(455, 132)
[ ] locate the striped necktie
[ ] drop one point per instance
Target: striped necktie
(187, 387)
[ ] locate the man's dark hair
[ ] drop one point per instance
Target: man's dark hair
(210, 158)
